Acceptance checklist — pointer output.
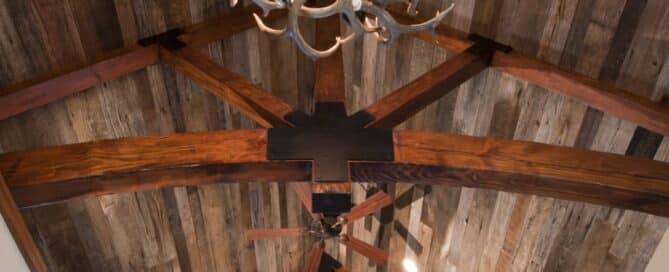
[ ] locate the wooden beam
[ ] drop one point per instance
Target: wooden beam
(68, 162)
(17, 226)
(54, 86)
(260, 105)
(51, 192)
(329, 85)
(226, 25)
(403, 103)
(597, 94)
(546, 170)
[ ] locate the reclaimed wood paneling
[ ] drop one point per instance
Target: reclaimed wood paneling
(437, 227)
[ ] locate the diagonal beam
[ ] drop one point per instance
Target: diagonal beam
(261, 106)
(329, 82)
(403, 103)
(524, 167)
(17, 226)
(597, 94)
(51, 87)
(54, 86)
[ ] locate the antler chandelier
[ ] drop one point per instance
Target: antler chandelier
(361, 16)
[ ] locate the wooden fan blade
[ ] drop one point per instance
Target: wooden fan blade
(258, 234)
(375, 254)
(314, 260)
(369, 206)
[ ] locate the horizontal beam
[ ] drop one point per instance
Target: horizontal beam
(54, 86)
(258, 104)
(515, 166)
(406, 101)
(597, 94)
(47, 193)
(68, 162)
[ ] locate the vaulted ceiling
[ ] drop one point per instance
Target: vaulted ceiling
(439, 227)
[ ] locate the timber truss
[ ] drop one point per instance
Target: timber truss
(320, 155)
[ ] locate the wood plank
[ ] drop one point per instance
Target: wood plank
(524, 167)
(47, 193)
(56, 85)
(225, 26)
(258, 104)
(597, 94)
(259, 234)
(105, 157)
(329, 81)
(19, 230)
(403, 103)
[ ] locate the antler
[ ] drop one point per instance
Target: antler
(383, 25)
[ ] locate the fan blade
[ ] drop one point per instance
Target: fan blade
(375, 254)
(303, 191)
(314, 260)
(258, 234)
(369, 206)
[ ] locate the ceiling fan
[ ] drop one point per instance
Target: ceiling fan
(331, 227)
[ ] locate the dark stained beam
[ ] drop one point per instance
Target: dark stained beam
(54, 86)
(329, 82)
(403, 103)
(258, 104)
(515, 166)
(239, 20)
(47, 193)
(17, 226)
(68, 162)
(597, 94)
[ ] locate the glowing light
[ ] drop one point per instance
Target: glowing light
(409, 265)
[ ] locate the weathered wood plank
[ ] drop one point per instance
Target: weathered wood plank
(54, 86)
(259, 105)
(398, 106)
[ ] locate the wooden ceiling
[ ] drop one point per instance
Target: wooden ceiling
(440, 228)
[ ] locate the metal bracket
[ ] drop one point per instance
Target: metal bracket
(168, 39)
(486, 47)
(330, 139)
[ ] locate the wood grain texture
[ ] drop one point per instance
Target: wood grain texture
(329, 81)
(51, 192)
(259, 234)
(401, 104)
(599, 95)
(257, 104)
(579, 166)
(74, 161)
(62, 83)
(314, 260)
(17, 227)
